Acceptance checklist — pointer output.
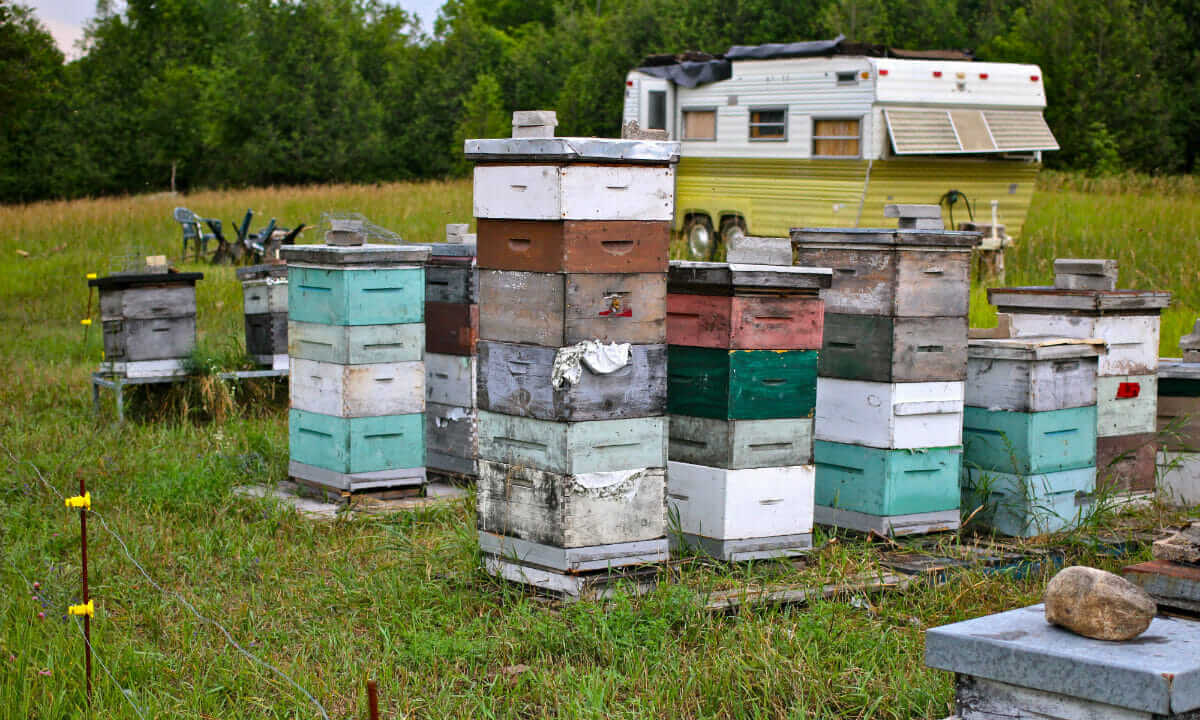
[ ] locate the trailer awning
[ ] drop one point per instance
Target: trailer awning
(925, 131)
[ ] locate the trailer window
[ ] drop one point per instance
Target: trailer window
(656, 113)
(838, 137)
(699, 124)
(768, 124)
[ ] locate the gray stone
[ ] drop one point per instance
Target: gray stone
(1182, 546)
(1098, 604)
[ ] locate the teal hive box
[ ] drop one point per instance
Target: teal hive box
(1028, 505)
(357, 445)
(741, 384)
(881, 482)
(1029, 443)
(356, 296)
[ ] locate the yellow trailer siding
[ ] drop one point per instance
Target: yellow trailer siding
(777, 195)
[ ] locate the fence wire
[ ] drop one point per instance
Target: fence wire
(182, 600)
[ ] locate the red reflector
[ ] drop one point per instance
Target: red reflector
(983, 76)
(937, 73)
(883, 72)
(1128, 390)
(1034, 78)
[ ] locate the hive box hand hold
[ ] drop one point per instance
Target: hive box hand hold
(517, 380)
(891, 272)
(629, 246)
(558, 309)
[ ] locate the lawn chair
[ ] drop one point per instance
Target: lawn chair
(190, 222)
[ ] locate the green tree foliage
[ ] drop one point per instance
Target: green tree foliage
(248, 92)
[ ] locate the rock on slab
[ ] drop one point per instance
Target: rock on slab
(1182, 546)
(1098, 604)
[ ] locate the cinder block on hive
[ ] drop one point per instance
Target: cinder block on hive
(759, 250)
(534, 123)
(1076, 274)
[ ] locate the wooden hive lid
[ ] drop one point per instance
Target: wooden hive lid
(876, 237)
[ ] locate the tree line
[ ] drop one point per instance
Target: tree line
(217, 93)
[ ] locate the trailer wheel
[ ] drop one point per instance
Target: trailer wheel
(698, 233)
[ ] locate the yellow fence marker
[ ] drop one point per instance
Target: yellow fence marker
(85, 321)
(80, 501)
(90, 276)
(88, 609)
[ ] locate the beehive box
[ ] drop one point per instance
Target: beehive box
(889, 415)
(1016, 665)
(557, 309)
(358, 452)
(1028, 505)
(740, 444)
(1127, 320)
(884, 483)
(1126, 463)
(356, 344)
(573, 448)
(894, 349)
(747, 504)
(574, 246)
(450, 379)
(516, 379)
(1032, 374)
(1178, 407)
(894, 273)
(1126, 404)
(573, 509)
(1026, 443)
(741, 384)
(148, 322)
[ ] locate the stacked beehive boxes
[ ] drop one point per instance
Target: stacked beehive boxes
(451, 330)
(742, 387)
(573, 241)
(149, 322)
(265, 304)
(890, 387)
(356, 341)
(1029, 432)
(1179, 421)
(1084, 304)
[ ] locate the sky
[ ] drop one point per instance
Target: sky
(65, 18)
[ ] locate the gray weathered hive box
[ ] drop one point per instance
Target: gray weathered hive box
(901, 273)
(1018, 663)
(1032, 374)
(147, 317)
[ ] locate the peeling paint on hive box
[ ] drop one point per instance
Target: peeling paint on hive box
(557, 309)
(740, 444)
(571, 510)
(351, 391)
(516, 380)
(745, 322)
(894, 349)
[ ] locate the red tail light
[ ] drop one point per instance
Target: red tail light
(983, 76)
(937, 73)
(1034, 78)
(883, 73)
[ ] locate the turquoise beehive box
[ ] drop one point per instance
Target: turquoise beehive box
(354, 307)
(882, 482)
(1029, 442)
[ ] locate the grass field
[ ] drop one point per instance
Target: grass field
(400, 598)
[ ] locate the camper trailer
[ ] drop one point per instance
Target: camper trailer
(824, 134)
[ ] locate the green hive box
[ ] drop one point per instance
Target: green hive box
(741, 384)
(357, 445)
(1029, 443)
(1028, 505)
(881, 482)
(356, 296)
